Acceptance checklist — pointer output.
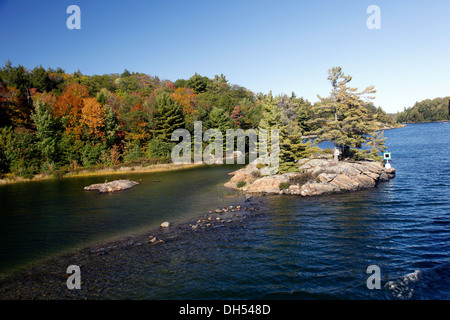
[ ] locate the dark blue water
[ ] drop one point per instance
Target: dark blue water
(297, 248)
(321, 247)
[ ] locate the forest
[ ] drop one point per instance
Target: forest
(426, 111)
(53, 122)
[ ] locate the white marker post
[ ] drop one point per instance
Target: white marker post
(387, 157)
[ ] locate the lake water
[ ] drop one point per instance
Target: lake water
(297, 248)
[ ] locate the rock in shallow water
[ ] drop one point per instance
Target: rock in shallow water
(116, 185)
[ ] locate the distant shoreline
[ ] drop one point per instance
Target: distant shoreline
(162, 167)
(405, 123)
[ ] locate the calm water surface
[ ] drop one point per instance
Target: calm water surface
(298, 248)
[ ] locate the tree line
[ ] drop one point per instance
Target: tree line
(426, 111)
(53, 122)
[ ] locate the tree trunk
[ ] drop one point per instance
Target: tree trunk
(336, 153)
(336, 150)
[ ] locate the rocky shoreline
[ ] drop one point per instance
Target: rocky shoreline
(104, 264)
(314, 177)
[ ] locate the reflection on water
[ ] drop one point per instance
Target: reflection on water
(46, 217)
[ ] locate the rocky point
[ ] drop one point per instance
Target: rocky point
(314, 177)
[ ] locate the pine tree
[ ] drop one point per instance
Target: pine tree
(377, 140)
(168, 117)
(292, 148)
(218, 119)
(46, 132)
(283, 115)
(111, 126)
(343, 118)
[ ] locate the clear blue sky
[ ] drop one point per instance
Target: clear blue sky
(282, 46)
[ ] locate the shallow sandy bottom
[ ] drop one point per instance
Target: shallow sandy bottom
(105, 264)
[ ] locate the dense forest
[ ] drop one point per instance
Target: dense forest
(426, 111)
(53, 122)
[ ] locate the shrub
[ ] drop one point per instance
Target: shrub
(241, 184)
(284, 185)
(256, 174)
(260, 165)
(302, 178)
(59, 173)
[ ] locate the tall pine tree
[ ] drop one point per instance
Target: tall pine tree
(169, 116)
(343, 118)
(284, 116)
(46, 131)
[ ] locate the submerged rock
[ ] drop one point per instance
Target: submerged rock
(165, 224)
(116, 185)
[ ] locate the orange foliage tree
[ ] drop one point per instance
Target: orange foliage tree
(186, 98)
(93, 117)
(69, 106)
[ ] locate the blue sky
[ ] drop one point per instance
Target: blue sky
(282, 46)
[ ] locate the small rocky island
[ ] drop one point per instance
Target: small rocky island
(113, 186)
(314, 177)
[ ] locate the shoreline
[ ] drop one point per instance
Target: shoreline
(161, 167)
(437, 121)
(45, 278)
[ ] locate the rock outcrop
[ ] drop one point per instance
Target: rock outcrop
(314, 177)
(116, 185)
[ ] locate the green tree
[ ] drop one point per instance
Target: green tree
(23, 153)
(112, 126)
(376, 141)
(168, 117)
(293, 148)
(218, 119)
(343, 118)
(278, 114)
(198, 83)
(159, 148)
(5, 142)
(46, 131)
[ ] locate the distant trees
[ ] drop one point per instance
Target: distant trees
(426, 111)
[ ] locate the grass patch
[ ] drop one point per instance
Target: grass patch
(241, 184)
(284, 185)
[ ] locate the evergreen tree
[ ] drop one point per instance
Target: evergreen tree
(218, 119)
(377, 140)
(292, 147)
(168, 117)
(277, 114)
(343, 118)
(46, 132)
(111, 126)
